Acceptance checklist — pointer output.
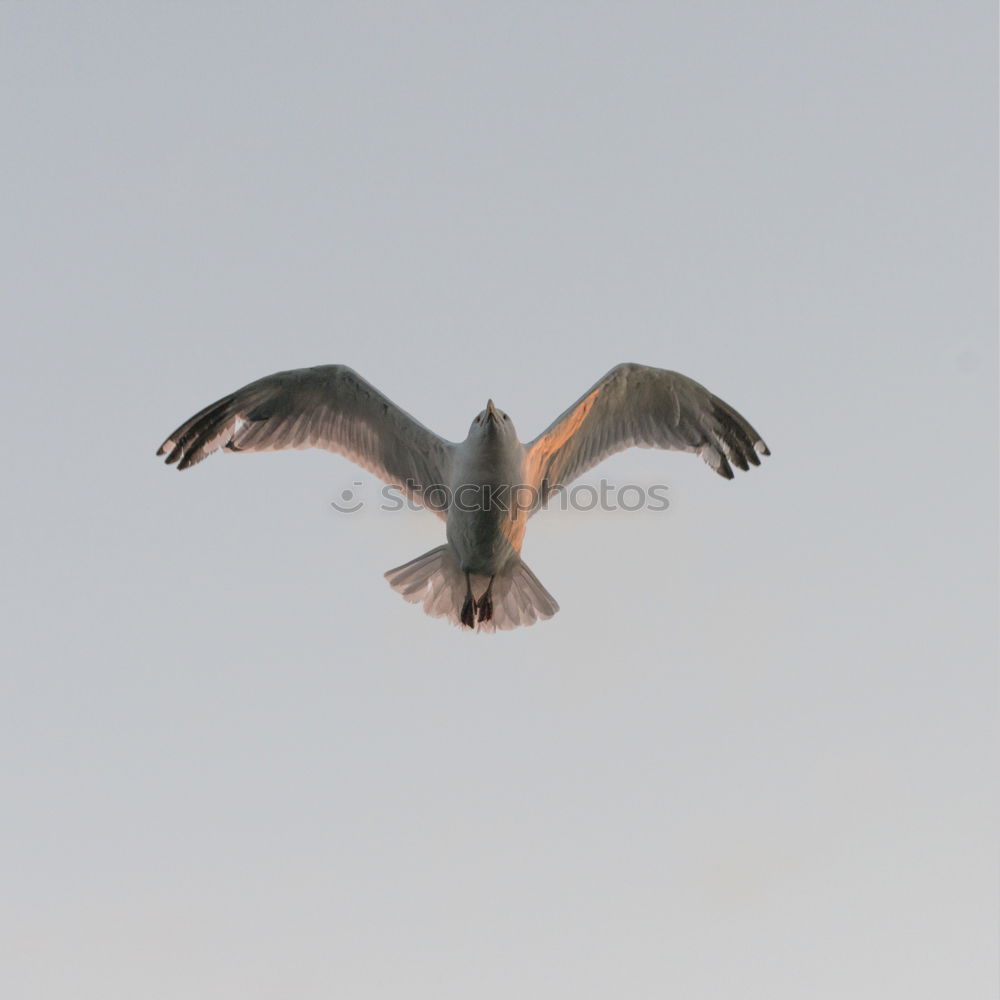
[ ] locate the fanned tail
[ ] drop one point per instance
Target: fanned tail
(518, 599)
(436, 581)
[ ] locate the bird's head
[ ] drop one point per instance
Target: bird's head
(492, 423)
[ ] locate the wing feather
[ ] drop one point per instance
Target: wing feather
(329, 407)
(635, 405)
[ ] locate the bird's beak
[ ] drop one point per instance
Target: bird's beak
(491, 411)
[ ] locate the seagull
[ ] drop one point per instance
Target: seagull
(484, 488)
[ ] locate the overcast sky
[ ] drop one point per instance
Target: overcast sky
(753, 755)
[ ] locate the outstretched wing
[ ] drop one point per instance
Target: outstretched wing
(329, 407)
(648, 408)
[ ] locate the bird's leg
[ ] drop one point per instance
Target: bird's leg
(468, 613)
(484, 606)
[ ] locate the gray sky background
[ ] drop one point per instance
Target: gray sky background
(753, 755)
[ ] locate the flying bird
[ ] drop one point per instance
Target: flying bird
(484, 488)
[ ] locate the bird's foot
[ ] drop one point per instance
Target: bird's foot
(484, 606)
(467, 616)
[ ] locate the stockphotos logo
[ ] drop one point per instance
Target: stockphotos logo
(514, 500)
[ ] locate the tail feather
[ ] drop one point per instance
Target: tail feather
(436, 581)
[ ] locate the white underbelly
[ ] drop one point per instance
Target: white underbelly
(485, 541)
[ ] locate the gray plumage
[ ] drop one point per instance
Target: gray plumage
(332, 407)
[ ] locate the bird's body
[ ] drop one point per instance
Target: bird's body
(482, 528)
(485, 487)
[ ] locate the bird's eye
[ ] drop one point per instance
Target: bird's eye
(506, 417)
(477, 420)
